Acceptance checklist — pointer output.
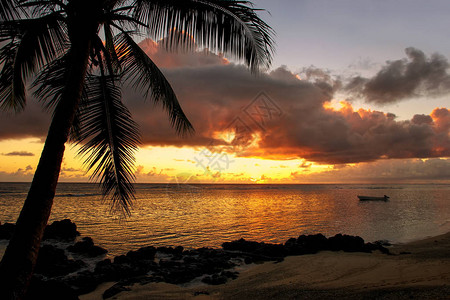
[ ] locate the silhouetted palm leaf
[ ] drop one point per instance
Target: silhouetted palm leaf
(221, 25)
(50, 83)
(148, 78)
(9, 9)
(110, 139)
(34, 44)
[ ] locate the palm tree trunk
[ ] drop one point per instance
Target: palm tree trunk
(16, 267)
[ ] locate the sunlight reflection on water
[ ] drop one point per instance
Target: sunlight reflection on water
(208, 215)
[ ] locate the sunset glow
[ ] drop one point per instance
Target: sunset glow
(290, 124)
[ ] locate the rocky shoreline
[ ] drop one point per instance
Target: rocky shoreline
(59, 277)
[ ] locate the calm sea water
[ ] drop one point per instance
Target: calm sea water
(208, 215)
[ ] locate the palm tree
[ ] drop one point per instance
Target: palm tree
(79, 53)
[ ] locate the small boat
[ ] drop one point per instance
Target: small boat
(371, 198)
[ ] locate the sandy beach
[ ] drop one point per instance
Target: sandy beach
(417, 270)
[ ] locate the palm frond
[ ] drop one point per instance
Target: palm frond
(9, 9)
(109, 138)
(145, 76)
(42, 7)
(110, 48)
(221, 25)
(7, 101)
(34, 43)
(49, 84)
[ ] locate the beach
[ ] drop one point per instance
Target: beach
(416, 270)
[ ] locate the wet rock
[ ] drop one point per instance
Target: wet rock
(7, 231)
(241, 245)
(87, 247)
(61, 230)
(264, 251)
(53, 262)
(307, 244)
(145, 253)
(170, 250)
(179, 275)
(84, 282)
(135, 263)
(230, 274)
(346, 243)
(369, 247)
(384, 243)
(215, 279)
(122, 259)
(123, 285)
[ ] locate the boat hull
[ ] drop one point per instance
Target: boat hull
(370, 198)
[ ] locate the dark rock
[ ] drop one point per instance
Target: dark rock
(135, 263)
(145, 253)
(179, 275)
(230, 274)
(114, 290)
(103, 263)
(87, 247)
(114, 272)
(248, 260)
(163, 263)
(7, 231)
(170, 250)
(122, 285)
(307, 244)
(122, 259)
(53, 262)
(384, 243)
(84, 282)
(346, 243)
(215, 279)
(50, 290)
(369, 247)
(61, 230)
(241, 245)
(264, 251)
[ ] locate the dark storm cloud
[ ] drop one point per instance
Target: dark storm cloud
(18, 153)
(32, 122)
(415, 76)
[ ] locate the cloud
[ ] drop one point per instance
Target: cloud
(32, 122)
(153, 175)
(277, 115)
(21, 175)
(415, 76)
(435, 170)
(194, 58)
(214, 96)
(18, 153)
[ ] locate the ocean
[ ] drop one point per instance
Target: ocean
(206, 215)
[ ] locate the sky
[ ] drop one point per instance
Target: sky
(358, 92)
